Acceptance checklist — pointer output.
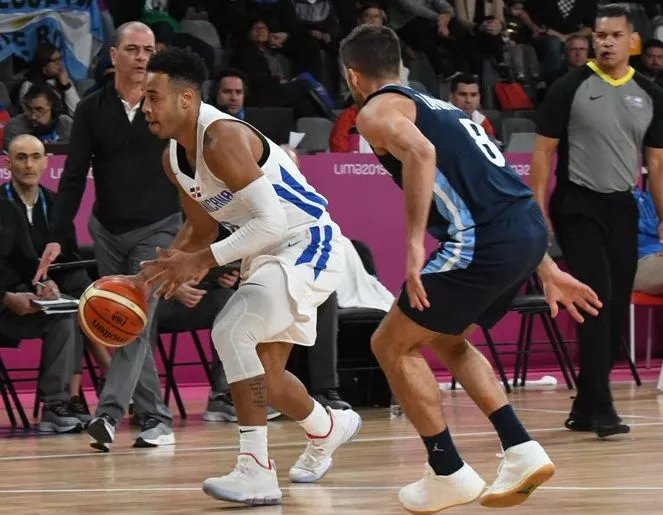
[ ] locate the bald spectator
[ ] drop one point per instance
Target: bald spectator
(27, 162)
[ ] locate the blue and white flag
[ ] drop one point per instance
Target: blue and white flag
(73, 26)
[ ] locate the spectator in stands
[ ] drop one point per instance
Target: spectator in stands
(553, 23)
(228, 92)
(267, 82)
(286, 35)
(20, 319)
(649, 274)
(652, 61)
(576, 49)
(47, 69)
(136, 210)
(27, 162)
(431, 28)
(163, 34)
(484, 19)
(42, 118)
(371, 13)
(318, 19)
(518, 36)
(465, 95)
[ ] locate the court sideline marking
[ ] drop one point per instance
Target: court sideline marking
(312, 489)
(168, 451)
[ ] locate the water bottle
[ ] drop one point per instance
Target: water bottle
(353, 140)
(395, 410)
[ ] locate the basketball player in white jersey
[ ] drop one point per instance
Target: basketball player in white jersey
(292, 260)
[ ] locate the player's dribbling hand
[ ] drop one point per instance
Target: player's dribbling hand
(561, 288)
(171, 269)
(416, 257)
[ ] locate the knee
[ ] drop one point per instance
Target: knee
(275, 384)
(453, 349)
(382, 346)
(236, 347)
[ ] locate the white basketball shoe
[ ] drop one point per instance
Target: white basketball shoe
(316, 460)
(250, 482)
(434, 493)
(524, 468)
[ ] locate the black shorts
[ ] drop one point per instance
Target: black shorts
(505, 254)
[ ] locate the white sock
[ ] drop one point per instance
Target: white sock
(253, 440)
(318, 424)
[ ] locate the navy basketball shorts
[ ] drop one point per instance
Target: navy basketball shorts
(505, 254)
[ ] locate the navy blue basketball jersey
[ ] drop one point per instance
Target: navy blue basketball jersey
(474, 184)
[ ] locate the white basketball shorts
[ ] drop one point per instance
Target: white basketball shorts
(313, 261)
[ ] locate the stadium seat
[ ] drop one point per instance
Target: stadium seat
(317, 132)
(205, 31)
(513, 125)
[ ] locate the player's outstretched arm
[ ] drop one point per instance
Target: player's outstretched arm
(562, 288)
(386, 126)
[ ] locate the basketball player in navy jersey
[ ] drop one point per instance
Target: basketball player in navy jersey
(492, 235)
(292, 260)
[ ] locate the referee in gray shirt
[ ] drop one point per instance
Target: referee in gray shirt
(598, 119)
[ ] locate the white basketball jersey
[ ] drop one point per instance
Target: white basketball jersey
(304, 207)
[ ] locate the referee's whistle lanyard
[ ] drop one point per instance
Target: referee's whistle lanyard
(42, 199)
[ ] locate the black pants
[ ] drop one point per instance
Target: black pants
(598, 234)
(323, 356)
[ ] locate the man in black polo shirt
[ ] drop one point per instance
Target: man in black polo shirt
(598, 118)
(136, 210)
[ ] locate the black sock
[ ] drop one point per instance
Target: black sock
(442, 454)
(508, 427)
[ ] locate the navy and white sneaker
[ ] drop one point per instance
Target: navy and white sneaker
(102, 431)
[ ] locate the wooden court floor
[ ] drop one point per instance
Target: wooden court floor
(44, 475)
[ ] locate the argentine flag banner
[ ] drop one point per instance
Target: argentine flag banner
(73, 26)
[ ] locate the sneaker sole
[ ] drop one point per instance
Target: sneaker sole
(446, 506)
(312, 478)
(161, 440)
(100, 446)
(216, 416)
(620, 429)
(521, 492)
(50, 427)
(213, 416)
(229, 496)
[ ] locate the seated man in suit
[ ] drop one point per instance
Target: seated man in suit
(20, 319)
(27, 162)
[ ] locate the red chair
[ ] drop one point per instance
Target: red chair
(650, 301)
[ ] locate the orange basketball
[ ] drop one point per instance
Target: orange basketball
(113, 311)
